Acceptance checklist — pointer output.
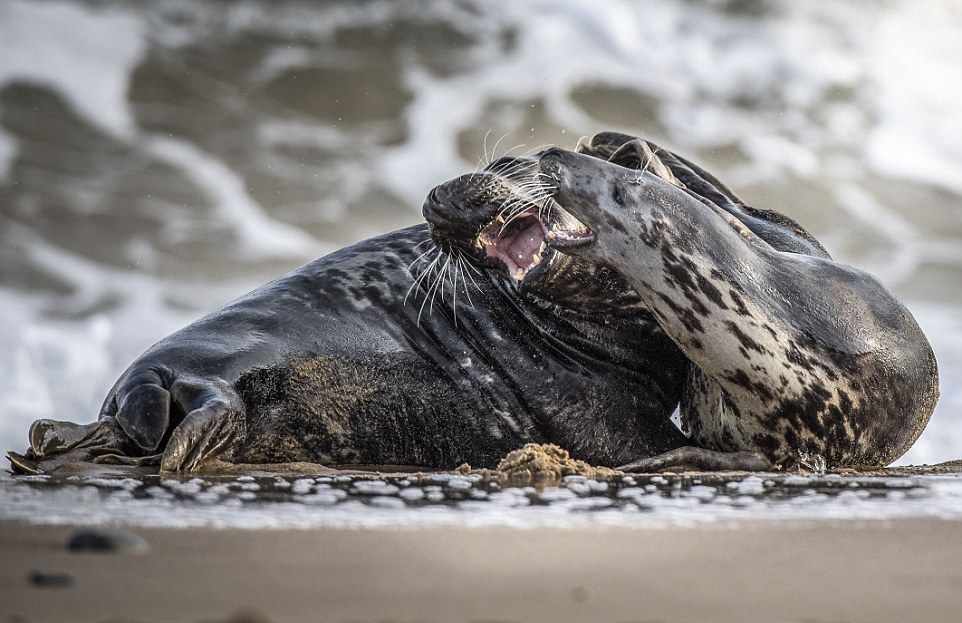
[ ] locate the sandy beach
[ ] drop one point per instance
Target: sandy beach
(905, 570)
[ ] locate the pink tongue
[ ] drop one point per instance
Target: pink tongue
(525, 244)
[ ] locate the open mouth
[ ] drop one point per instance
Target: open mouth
(521, 242)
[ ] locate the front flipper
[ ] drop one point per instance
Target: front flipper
(214, 421)
(144, 410)
(182, 421)
(689, 458)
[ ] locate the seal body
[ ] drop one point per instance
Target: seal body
(343, 362)
(794, 357)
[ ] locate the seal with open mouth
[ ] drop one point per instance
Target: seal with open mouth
(795, 358)
(498, 342)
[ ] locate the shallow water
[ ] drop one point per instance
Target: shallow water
(157, 162)
(420, 500)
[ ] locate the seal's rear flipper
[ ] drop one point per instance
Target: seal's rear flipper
(133, 461)
(49, 437)
(688, 458)
(55, 444)
(20, 464)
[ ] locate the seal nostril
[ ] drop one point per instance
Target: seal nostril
(433, 207)
(551, 163)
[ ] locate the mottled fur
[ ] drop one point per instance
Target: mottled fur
(795, 357)
(332, 363)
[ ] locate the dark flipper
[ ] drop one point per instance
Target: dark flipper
(144, 411)
(689, 458)
(214, 421)
(21, 464)
(54, 444)
(49, 437)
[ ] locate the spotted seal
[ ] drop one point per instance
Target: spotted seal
(796, 358)
(500, 341)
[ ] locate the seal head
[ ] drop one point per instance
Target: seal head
(497, 220)
(795, 357)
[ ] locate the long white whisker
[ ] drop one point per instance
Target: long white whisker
(465, 275)
(438, 284)
(427, 291)
(454, 290)
(484, 146)
(418, 281)
(494, 150)
(418, 258)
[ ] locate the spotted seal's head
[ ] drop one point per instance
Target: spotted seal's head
(498, 219)
(623, 170)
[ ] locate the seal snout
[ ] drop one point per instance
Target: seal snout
(553, 165)
(460, 205)
(556, 167)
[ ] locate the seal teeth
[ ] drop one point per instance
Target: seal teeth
(499, 218)
(519, 275)
(536, 257)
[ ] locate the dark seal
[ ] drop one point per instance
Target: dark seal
(797, 359)
(435, 345)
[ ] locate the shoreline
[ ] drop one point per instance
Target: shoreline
(821, 570)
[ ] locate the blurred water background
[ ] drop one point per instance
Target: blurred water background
(160, 158)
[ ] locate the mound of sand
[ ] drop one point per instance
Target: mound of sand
(546, 462)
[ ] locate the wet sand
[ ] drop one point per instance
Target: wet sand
(840, 571)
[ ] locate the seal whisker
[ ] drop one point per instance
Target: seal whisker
(494, 148)
(418, 281)
(535, 150)
(512, 167)
(487, 158)
(438, 285)
(464, 279)
(420, 260)
(421, 257)
(452, 272)
(428, 291)
(444, 275)
(484, 161)
(508, 151)
(517, 209)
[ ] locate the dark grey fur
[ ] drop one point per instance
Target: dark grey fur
(334, 363)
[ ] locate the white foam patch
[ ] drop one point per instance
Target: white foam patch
(914, 62)
(49, 369)
(55, 366)
(258, 234)
(227, 505)
(699, 64)
(905, 252)
(85, 54)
